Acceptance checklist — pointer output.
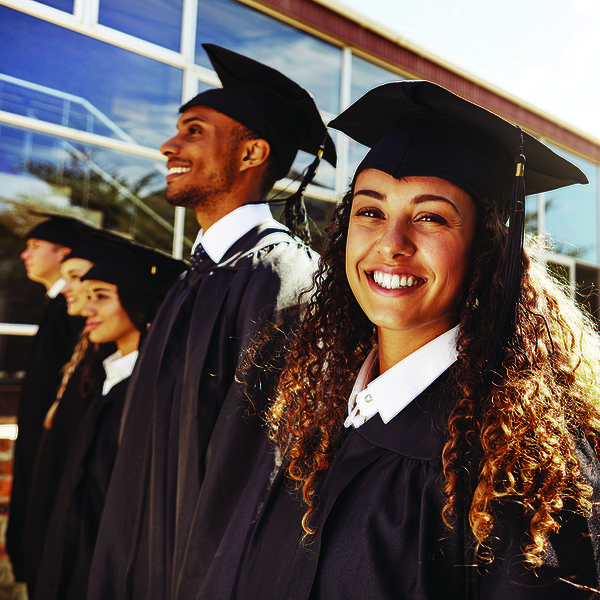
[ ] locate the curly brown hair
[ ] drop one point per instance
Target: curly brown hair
(513, 429)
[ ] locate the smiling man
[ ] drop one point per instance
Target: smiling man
(192, 446)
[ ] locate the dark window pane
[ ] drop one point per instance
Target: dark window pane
(366, 76)
(66, 5)
(319, 212)
(157, 21)
(312, 63)
(587, 281)
(79, 82)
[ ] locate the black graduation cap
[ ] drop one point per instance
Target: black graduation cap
(276, 109)
(270, 104)
(64, 231)
(93, 251)
(142, 276)
(418, 128)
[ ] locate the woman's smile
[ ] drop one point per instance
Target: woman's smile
(395, 281)
(408, 252)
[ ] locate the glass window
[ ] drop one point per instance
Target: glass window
(115, 190)
(313, 63)
(571, 215)
(366, 76)
(319, 213)
(587, 280)
(531, 215)
(157, 21)
(43, 173)
(80, 82)
(66, 5)
(356, 152)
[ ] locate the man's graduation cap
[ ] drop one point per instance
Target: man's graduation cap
(271, 105)
(418, 128)
(64, 231)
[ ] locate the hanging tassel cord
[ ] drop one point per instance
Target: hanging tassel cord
(294, 213)
(513, 268)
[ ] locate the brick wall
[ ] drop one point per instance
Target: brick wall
(8, 589)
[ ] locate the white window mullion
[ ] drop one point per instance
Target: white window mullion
(189, 17)
(341, 141)
(86, 11)
(541, 214)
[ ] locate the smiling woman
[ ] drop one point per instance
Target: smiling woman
(107, 320)
(408, 254)
(438, 413)
(75, 292)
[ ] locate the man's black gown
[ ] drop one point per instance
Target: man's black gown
(51, 348)
(73, 527)
(380, 532)
(192, 445)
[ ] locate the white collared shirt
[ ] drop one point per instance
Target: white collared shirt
(117, 367)
(56, 288)
(220, 236)
(395, 389)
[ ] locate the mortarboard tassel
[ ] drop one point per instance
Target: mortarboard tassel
(294, 213)
(513, 267)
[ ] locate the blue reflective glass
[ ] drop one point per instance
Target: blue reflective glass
(571, 215)
(157, 21)
(116, 190)
(314, 64)
(311, 62)
(531, 215)
(56, 75)
(366, 76)
(66, 5)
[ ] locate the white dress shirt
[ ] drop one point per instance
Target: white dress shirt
(117, 367)
(395, 389)
(220, 236)
(56, 288)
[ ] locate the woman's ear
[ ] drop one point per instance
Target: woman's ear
(254, 153)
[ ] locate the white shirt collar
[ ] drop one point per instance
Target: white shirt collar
(56, 289)
(220, 236)
(117, 367)
(395, 389)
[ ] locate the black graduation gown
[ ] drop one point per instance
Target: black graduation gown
(73, 528)
(381, 536)
(192, 445)
(51, 348)
(52, 456)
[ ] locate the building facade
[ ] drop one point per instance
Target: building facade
(89, 89)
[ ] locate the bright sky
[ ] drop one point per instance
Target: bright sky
(545, 52)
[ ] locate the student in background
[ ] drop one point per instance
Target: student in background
(81, 376)
(47, 245)
(123, 292)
